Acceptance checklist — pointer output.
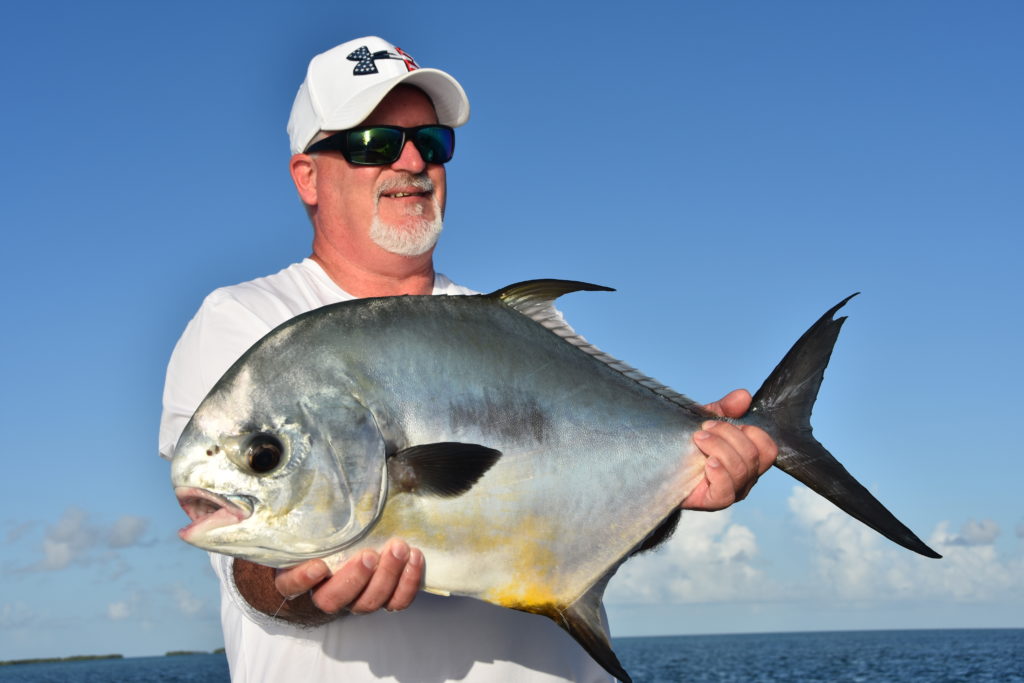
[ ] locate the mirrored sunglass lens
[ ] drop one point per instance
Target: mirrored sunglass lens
(435, 144)
(374, 145)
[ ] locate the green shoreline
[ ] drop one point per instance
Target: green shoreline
(74, 658)
(89, 658)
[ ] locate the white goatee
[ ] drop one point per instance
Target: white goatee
(417, 235)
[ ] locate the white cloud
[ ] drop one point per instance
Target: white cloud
(974, 532)
(187, 603)
(74, 539)
(16, 615)
(855, 562)
(127, 531)
(118, 610)
(713, 559)
(709, 559)
(70, 538)
(56, 554)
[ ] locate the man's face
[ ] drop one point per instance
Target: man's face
(398, 207)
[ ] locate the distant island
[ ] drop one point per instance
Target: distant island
(73, 658)
(87, 658)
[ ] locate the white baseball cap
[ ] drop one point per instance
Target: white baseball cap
(346, 83)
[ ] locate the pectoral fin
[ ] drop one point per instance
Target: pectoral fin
(445, 469)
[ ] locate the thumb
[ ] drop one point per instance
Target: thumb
(734, 404)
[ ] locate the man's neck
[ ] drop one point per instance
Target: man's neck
(391, 277)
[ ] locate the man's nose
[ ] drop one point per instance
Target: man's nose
(410, 160)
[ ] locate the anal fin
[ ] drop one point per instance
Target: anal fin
(584, 620)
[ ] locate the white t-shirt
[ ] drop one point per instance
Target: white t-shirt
(437, 638)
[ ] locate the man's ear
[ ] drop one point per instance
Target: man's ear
(303, 170)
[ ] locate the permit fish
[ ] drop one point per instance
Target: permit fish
(525, 463)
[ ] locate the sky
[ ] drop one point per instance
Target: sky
(732, 169)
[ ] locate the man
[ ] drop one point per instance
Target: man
(375, 193)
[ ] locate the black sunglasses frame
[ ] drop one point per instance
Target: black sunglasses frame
(339, 142)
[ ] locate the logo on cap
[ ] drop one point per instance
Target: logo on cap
(365, 59)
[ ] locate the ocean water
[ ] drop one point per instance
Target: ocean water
(199, 668)
(975, 656)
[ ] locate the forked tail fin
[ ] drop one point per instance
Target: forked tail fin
(782, 406)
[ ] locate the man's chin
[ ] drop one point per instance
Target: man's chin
(413, 239)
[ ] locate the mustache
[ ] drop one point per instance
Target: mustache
(421, 183)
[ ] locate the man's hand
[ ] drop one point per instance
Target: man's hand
(737, 455)
(309, 594)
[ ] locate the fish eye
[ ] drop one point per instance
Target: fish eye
(265, 453)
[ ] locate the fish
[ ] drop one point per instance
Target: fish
(525, 463)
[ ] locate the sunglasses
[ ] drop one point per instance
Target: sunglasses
(382, 145)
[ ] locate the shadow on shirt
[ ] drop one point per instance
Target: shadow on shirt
(440, 639)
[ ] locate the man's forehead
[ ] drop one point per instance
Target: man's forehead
(404, 101)
(405, 105)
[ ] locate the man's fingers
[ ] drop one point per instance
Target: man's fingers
(300, 578)
(734, 404)
(767, 451)
(408, 583)
(716, 491)
(341, 590)
(737, 455)
(722, 485)
(363, 584)
(385, 579)
(730, 445)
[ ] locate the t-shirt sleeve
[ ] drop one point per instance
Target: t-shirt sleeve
(221, 331)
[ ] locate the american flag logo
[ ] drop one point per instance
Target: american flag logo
(365, 59)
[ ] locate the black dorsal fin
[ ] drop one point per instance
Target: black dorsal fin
(446, 469)
(531, 295)
(536, 300)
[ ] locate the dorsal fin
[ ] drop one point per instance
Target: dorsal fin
(530, 294)
(535, 299)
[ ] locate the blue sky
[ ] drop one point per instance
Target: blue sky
(732, 168)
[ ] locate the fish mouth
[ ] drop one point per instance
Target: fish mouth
(209, 510)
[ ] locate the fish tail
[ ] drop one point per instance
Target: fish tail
(782, 406)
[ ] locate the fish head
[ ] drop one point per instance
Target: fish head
(277, 469)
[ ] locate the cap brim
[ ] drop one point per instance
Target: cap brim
(449, 99)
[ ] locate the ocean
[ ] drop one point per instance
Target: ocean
(877, 656)
(974, 656)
